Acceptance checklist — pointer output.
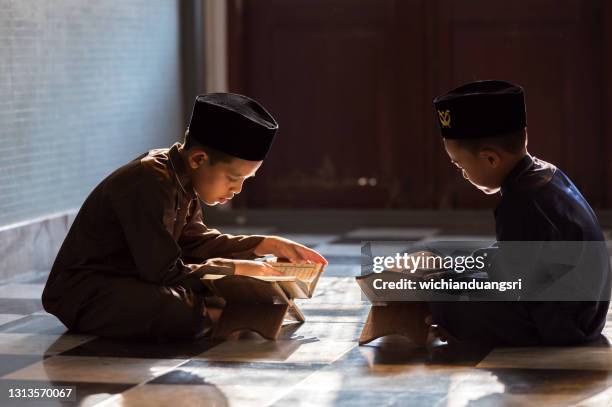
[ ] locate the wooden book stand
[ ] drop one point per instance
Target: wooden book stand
(255, 305)
(406, 318)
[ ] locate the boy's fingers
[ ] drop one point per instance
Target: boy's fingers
(311, 255)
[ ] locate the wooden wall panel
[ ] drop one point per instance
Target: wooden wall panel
(553, 55)
(335, 74)
(351, 83)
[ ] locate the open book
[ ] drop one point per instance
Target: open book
(299, 279)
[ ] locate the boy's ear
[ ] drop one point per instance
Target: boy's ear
(197, 158)
(491, 156)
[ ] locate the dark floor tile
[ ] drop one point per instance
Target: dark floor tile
(11, 363)
(141, 349)
(459, 354)
(308, 226)
(20, 306)
(86, 394)
(180, 376)
(202, 372)
(536, 381)
(399, 352)
(361, 239)
(38, 324)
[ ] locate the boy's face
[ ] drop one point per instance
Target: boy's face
(484, 169)
(218, 183)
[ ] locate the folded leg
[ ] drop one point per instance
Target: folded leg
(496, 323)
(127, 307)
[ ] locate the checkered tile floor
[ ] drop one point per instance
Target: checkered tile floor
(317, 363)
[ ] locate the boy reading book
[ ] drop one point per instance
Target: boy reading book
(132, 261)
(483, 125)
(297, 280)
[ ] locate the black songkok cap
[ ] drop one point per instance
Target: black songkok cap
(481, 109)
(233, 124)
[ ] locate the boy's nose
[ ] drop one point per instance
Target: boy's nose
(464, 174)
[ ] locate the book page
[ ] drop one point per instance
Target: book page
(303, 271)
(264, 278)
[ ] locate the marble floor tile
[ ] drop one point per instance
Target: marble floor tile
(330, 313)
(440, 385)
(103, 347)
(41, 312)
(339, 331)
(574, 358)
(38, 278)
(6, 318)
(398, 350)
(35, 324)
(31, 291)
(348, 250)
(177, 395)
(434, 381)
(390, 235)
(378, 239)
(308, 239)
(86, 394)
(448, 386)
(336, 290)
(316, 363)
(281, 351)
(248, 373)
(383, 379)
(23, 306)
(95, 369)
(519, 387)
(39, 344)
(11, 363)
(607, 331)
(338, 396)
(372, 233)
(487, 239)
(337, 269)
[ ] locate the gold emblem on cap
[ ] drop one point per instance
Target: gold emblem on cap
(445, 118)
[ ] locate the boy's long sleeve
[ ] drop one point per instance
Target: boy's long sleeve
(146, 215)
(199, 242)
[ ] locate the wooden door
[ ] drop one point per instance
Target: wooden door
(551, 48)
(351, 83)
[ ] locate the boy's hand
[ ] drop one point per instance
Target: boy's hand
(295, 252)
(254, 268)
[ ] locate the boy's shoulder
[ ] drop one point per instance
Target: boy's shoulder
(532, 176)
(542, 196)
(149, 171)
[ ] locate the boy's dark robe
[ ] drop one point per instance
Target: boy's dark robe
(538, 203)
(131, 263)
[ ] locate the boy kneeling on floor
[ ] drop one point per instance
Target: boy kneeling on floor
(483, 125)
(131, 263)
